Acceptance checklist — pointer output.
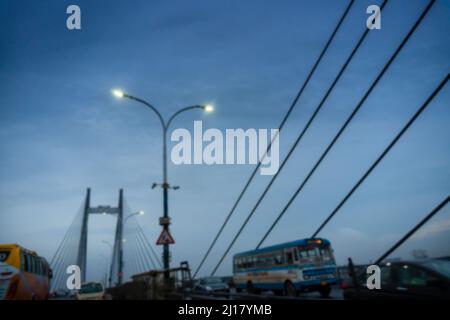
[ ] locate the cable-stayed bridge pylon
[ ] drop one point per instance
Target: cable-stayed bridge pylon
(131, 251)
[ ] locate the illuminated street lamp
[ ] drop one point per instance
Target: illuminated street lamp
(164, 221)
(118, 93)
(209, 108)
(138, 213)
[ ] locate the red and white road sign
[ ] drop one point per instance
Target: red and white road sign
(165, 238)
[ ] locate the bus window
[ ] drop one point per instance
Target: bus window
(289, 257)
(278, 259)
(312, 252)
(270, 260)
(302, 253)
(259, 261)
(253, 262)
(326, 254)
(265, 261)
(247, 262)
(31, 263)
(37, 265)
(308, 254)
(22, 261)
(4, 254)
(40, 267)
(27, 262)
(34, 264)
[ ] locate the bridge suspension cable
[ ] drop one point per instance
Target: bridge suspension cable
(147, 243)
(382, 155)
(297, 141)
(67, 252)
(413, 230)
(280, 127)
(346, 123)
(144, 252)
(136, 248)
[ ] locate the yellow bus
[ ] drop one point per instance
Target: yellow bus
(23, 274)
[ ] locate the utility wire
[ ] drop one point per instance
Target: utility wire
(299, 138)
(383, 154)
(280, 127)
(413, 230)
(342, 129)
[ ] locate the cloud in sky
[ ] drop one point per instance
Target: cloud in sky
(432, 229)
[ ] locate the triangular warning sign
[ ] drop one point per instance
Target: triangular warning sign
(165, 238)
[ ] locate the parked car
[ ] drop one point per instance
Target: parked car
(91, 291)
(423, 279)
(211, 284)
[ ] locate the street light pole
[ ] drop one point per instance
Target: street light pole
(122, 240)
(165, 220)
(106, 270)
(119, 244)
(112, 249)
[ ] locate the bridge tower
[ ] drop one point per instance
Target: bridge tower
(118, 241)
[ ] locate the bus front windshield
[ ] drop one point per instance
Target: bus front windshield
(315, 253)
(4, 254)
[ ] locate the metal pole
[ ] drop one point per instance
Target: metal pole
(166, 254)
(82, 248)
(119, 237)
(110, 262)
(164, 221)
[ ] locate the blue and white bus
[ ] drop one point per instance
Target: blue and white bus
(292, 267)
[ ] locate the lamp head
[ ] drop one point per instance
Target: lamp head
(118, 93)
(208, 108)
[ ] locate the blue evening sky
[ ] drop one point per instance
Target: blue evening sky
(61, 131)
